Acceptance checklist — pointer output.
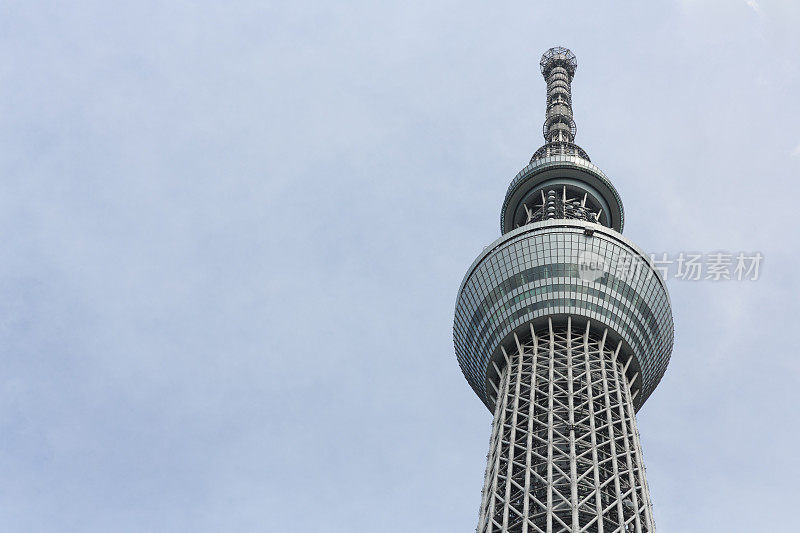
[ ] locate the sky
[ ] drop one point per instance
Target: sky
(233, 233)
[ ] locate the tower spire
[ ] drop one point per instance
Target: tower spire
(558, 67)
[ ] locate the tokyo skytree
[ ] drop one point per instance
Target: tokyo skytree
(563, 328)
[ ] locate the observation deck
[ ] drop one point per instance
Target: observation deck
(557, 269)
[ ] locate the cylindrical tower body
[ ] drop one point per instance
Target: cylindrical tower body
(564, 453)
(563, 328)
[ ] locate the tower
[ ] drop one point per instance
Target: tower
(563, 328)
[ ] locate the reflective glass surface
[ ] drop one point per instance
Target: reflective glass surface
(540, 270)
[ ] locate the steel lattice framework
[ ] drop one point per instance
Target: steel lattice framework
(563, 328)
(565, 453)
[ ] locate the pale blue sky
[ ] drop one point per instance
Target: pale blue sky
(233, 233)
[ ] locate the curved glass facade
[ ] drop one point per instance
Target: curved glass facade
(539, 270)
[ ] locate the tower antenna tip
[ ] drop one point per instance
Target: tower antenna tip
(558, 56)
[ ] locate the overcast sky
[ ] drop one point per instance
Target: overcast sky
(233, 232)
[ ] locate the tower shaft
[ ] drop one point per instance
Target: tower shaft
(564, 453)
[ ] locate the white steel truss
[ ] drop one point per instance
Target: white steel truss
(564, 453)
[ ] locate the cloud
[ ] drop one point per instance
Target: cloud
(194, 291)
(754, 5)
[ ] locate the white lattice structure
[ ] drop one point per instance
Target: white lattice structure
(564, 453)
(563, 328)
